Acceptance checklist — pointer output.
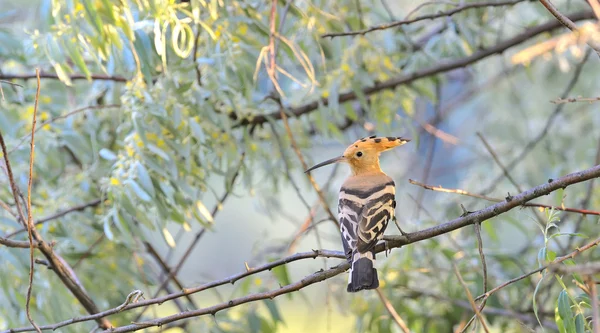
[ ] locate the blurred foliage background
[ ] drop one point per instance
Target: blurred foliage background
(160, 135)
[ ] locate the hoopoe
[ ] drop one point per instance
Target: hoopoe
(366, 206)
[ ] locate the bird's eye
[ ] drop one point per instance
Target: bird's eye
(359, 154)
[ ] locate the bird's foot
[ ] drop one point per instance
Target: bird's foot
(398, 226)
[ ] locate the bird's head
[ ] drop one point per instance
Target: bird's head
(363, 155)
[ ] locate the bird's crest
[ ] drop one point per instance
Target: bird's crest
(378, 144)
(363, 155)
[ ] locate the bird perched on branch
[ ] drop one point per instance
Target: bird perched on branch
(366, 206)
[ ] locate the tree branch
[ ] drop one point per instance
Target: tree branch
(26, 77)
(390, 242)
(189, 291)
(59, 214)
(63, 116)
(484, 197)
(390, 308)
(441, 67)
(425, 17)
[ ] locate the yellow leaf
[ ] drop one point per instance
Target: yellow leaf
(44, 116)
(204, 211)
(168, 237)
(242, 29)
(387, 62)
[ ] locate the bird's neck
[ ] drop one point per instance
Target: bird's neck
(366, 169)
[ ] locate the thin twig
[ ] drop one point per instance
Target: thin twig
(424, 17)
(390, 308)
(556, 261)
(165, 268)
(59, 214)
(483, 263)
(97, 77)
(470, 298)
(63, 116)
(588, 268)
(500, 164)
(11, 83)
(594, 296)
(30, 225)
(588, 196)
(314, 184)
(564, 20)
(488, 198)
(576, 100)
(88, 252)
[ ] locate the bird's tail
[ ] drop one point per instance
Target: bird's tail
(362, 273)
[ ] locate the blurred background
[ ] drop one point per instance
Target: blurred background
(161, 152)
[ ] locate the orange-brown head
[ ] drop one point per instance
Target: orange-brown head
(363, 155)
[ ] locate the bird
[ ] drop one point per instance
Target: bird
(365, 207)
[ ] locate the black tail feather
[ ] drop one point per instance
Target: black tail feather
(363, 275)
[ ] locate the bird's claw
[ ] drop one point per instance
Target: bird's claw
(400, 229)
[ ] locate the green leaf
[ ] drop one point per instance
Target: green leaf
(357, 87)
(62, 74)
(144, 177)
(92, 16)
(565, 312)
(274, 311)
(541, 257)
(282, 275)
(138, 190)
(550, 255)
(107, 154)
(535, 307)
(75, 54)
(107, 230)
(579, 323)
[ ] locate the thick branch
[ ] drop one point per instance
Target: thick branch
(492, 211)
(425, 17)
(441, 67)
(18, 244)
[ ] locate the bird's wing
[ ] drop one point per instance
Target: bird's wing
(348, 215)
(374, 217)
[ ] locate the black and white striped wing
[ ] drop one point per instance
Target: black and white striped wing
(348, 214)
(374, 218)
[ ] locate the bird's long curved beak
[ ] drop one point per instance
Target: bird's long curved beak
(331, 161)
